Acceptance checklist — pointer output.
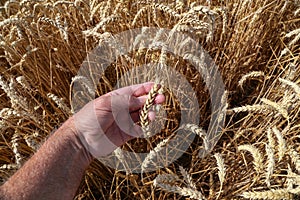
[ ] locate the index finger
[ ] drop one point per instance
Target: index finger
(134, 90)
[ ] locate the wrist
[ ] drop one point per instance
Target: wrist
(70, 131)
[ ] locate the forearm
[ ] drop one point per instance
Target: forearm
(54, 172)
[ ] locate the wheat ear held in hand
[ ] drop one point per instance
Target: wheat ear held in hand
(145, 111)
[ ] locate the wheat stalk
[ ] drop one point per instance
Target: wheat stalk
(257, 156)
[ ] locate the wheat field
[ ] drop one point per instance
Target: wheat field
(256, 46)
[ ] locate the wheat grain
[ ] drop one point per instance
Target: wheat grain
(10, 21)
(99, 6)
(166, 178)
(16, 99)
(146, 108)
(179, 5)
(63, 2)
(292, 84)
(271, 164)
(31, 141)
(292, 178)
(296, 13)
(140, 14)
(221, 170)
(257, 156)
(84, 82)
(23, 82)
(120, 155)
(249, 108)
(270, 194)
(60, 103)
(154, 153)
(187, 192)
(276, 107)
(271, 140)
(9, 167)
(253, 74)
(47, 20)
(166, 9)
(295, 158)
(193, 128)
(281, 143)
(295, 32)
(104, 22)
(15, 145)
(6, 113)
(187, 178)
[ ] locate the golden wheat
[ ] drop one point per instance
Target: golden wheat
(146, 108)
(256, 154)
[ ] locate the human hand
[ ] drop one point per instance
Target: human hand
(110, 120)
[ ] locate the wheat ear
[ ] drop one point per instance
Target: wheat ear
(154, 153)
(146, 108)
(270, 194)
(271, 164)
(15, 145)
(60, 103)
(194, 128)
(295, 158)
(281, 143)
(276, 107)
(253, 74)
(168, 185)
(249, 108)
(257, 156)
(221, 170)
(187, 178)
(293, 85)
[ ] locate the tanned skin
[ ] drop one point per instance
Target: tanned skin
(56, 169)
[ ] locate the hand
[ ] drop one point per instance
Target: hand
(110, 120)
